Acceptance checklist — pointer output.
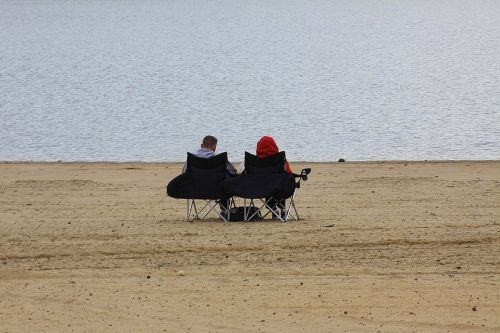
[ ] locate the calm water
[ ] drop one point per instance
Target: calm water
(146, 80)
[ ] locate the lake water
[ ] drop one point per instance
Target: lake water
(146, 80)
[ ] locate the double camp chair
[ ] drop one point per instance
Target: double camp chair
(262, 183)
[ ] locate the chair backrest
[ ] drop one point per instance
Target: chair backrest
(271, 164)
(199, 165)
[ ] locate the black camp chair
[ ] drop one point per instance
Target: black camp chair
(202, 181)
(265, 179)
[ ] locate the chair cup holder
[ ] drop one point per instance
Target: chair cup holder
(304, 173)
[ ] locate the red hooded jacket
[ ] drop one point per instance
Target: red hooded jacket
(266, 147)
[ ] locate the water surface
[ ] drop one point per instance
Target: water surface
(146, 80)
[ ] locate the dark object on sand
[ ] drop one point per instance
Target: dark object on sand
(341, 160)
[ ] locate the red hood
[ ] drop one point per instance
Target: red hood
(267, 147)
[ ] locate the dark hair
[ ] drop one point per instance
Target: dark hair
(209, 140)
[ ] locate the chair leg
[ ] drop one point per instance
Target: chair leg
(194, 213)
(275, 211)
(289, 214)
(246, 211)
(191, 207)
(232, 204)
(265, 205)
(252, 204)
(289, 209)
(211, 205)
(225, 214)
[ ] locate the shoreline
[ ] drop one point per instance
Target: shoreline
(290, 161)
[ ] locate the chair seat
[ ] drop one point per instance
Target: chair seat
(254, 186)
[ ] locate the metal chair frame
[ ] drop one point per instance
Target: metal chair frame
(212, 205)
(289, 214)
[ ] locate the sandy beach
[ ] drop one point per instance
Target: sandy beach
(381, 247)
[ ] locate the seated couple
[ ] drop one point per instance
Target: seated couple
(266, 146)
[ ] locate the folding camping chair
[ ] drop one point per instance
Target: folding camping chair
(202, 181)
(265, 180)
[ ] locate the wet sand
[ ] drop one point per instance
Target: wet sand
(382, 247)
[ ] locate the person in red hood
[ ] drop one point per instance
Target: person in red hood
(267, 147)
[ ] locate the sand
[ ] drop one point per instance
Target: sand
(382, 247)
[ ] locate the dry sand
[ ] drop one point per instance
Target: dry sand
(382, 247)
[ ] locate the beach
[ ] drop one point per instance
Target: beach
(380, 247)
